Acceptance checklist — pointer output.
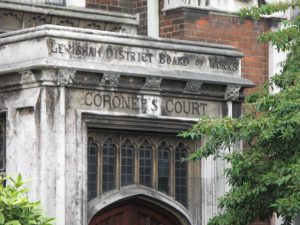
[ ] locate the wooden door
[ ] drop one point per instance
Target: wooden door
(134, 212)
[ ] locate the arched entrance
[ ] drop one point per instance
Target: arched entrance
(134, 212)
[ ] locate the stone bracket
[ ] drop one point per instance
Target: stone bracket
(152, 83)
(193, 87)
(110, 79)
(65, 77)
(27, 76)
(232, 92)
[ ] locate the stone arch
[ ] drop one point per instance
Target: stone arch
(131, 193)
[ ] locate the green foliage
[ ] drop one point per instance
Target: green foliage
(15, 207)
(265, 176)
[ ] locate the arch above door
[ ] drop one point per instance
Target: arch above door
(139, 210)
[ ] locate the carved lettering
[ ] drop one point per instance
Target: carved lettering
(167, 59)
(88, 99)
(145, 104)
(147, 56)
(223, 64)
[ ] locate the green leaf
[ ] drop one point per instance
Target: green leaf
(14, 222)
(2, 218)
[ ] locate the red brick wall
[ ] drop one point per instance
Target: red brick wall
(197, 25)
(140, 6)
(111, 5)
(125, 6)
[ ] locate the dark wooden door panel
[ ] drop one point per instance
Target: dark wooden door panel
(142, 219)
(118, 219)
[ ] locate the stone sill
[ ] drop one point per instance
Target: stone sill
(72, 12)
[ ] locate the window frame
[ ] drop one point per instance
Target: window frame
(3, 144)
(100, 134)
(170, 126)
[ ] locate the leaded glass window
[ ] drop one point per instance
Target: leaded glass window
(127, 163)
(109, 166)
(181, 174)
(2, 145)
(92, 168)
(146, 164)
(163, 167)
(117, 159)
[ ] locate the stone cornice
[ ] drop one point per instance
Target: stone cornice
(117, 38)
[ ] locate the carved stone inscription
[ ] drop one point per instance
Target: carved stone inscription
(119, 54)
(149, 105)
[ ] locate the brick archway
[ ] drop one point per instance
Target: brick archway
(134, 212)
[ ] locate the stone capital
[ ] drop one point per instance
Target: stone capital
(65, 77)
(27, 76)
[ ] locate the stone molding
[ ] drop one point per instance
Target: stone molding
(99, 53)
(65, 77)
(120, 39)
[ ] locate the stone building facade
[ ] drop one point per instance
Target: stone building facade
(90, 109)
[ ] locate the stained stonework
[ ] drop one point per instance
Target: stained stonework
(59, 89)
(27, 76)
(65, 77)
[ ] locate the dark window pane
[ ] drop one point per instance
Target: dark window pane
(163, 168)
(145, 159)
(109, 166)
(181, 174)
(127, 156)
(92, 169)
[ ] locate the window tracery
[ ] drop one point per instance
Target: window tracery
(163, 167)
(127, 163)
(181, 174)
(145, 158)
(92, 168)
(109, 165)
(117, 159)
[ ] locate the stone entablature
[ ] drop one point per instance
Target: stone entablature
(95, 51)
(17, 15)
